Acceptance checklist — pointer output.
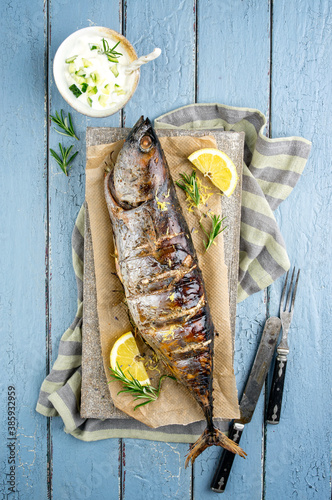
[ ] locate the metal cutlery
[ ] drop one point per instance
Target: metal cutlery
(286, 314)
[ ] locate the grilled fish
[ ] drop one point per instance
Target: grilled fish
(157, 265)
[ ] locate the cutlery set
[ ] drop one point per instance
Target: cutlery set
(256, 379)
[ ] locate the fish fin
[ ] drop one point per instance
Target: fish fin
(212, 438)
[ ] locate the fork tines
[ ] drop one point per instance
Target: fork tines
(286, 307)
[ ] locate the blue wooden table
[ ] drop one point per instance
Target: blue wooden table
(265, 54)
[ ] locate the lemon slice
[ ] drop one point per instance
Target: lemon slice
(126, 353)
(216, 165)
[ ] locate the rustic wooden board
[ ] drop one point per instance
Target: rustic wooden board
(95, 398)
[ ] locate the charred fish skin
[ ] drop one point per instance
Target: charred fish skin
(158, 267)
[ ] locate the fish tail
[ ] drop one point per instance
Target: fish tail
(212, 437)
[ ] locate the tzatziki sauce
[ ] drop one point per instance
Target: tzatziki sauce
(95, 72)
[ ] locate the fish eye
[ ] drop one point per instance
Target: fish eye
(146, 143)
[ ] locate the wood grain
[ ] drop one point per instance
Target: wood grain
(94, 468)
(170, 26)
(234, 44)
(233, 52)
(23, 208)
(297, 449)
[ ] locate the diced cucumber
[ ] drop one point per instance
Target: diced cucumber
(118, 90)
(115, 70)
(84, 87)
(75, 90)
(70, 59)
(71, 68)
(94, 47)
(90, 102)
(102, 99)
(95, 77)
(107, 89)
(86, 62)
(79, 79)
(92, 90)
(80, 72)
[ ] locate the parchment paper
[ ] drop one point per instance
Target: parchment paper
(175, 404)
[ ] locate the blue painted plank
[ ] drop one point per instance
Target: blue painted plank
(232, 71)
(234, 53)
(154, 470)
(169, 81)
(250, 323)
(164, 85)
(94, 466)
(299, 106)
(298, 449)
(22, 256)
(84, 471)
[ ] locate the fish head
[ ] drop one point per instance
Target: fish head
(140, 167)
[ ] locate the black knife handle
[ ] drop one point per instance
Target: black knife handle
(277, 388)
(224, 468)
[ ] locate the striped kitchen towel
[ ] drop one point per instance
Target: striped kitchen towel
(271, 170)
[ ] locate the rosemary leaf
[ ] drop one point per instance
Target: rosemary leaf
(142, 404)
(62, 122)
(215, 230)
(111, 54)
(64, 161)
(135, 388)
(190, 187)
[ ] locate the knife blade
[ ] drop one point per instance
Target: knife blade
(249, 398)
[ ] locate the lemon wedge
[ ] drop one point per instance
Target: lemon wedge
(218, 167)
(125, 353)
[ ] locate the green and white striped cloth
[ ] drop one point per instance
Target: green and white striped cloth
(271, 170)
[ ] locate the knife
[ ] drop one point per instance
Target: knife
(249, 398)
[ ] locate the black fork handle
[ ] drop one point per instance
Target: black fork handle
(224, 467)
(277, 389)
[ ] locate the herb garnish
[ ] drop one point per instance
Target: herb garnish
(135, 388)
(216, 229)
(64, 161)
(189, 186)
(63, 123)
(111, 54)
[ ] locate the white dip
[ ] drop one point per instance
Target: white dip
(99, 77)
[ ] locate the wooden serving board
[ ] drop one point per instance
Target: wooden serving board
(95, 396)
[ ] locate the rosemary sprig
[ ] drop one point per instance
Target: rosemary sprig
(190, 187)
(65, 160)
(215, 230)
(64, 125)
(135, 388)
(111, 54)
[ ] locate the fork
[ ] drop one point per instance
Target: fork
(286, 314)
